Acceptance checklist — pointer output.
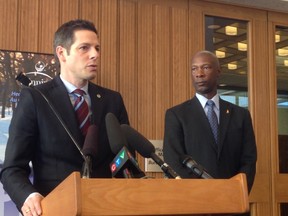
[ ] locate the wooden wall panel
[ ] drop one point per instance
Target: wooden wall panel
(180, 69)
(48, 24)
(145, 72)
(69, 10)
(163, 66)
(258, 90)
(195, 43)
(108, 40)
(28, 25)
(128, 57)
(90, 9)
(8, 26)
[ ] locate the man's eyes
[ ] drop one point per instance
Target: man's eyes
(84, 48)
(205, 68)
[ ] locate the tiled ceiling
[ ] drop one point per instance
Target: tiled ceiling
(273, 5)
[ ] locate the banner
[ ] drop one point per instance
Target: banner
(40, 68)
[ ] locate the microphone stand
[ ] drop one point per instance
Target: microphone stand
(27, 82)
(87, 167)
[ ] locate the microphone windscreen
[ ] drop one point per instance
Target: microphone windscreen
(90, 146)
(115, 136)
(138, 141)
(23, 79)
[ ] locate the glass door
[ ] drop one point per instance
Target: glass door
(278, 29)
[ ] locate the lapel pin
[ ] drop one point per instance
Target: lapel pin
(227, 111)
(98, 96)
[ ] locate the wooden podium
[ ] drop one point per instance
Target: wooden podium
(89, 197)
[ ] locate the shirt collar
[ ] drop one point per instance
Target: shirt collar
(203, 100)
(70, 87)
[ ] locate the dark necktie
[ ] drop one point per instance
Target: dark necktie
(212, 117)
(82, 111)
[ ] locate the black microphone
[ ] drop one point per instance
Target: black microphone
(124, 164)
(147, 149)
(27, 82)
(197, 169)
(90, 150)
(24, 79)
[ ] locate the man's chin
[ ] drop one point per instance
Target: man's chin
(92, 76)
(204, 91)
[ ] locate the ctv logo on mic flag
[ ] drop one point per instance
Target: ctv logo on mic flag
(119, 160)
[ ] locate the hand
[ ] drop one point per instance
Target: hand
(32, 205)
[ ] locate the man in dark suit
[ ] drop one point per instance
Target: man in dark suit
(231, 150)
(35, 133)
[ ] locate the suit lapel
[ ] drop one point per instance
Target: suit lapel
(225, 115)
(59, 99)
(202, 120)
(97, 97)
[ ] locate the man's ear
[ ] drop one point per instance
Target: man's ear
(219, 72)
(61, 53)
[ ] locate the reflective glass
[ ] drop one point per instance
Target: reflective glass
(227, 38)
(281, 56)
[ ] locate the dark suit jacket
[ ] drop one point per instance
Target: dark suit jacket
(187, 132)
(36, 135)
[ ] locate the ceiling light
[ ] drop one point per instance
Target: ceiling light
(277, 38)
(222, 84)
(242, 46)
(220, 54)
(283, 52)
(286, 63)
(230, 30)
(232, 66)
(214, 26)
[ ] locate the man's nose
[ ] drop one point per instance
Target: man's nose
(199, 72)
(94, 53)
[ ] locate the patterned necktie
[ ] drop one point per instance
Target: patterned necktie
(82, 111)
(211, 115)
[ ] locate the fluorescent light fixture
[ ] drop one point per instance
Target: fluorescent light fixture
(232, 66)
(283, 52)
(242, 46)
(220, 54)
(277, 38)
(214, 26)
(230, 30)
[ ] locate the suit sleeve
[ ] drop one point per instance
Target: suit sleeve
(173, 145)
(19, 150)
(249, 154)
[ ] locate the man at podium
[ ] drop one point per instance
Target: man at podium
(218, 135)
(38, 136)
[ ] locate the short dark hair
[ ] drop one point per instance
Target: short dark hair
(64, 36)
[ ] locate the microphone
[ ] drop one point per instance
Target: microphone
(27, 82)
(115, 136)
(147, 149)
(24, 79)
(90, 150)
(124, 164)
(197, 169)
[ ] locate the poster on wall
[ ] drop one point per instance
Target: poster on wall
(39, 68)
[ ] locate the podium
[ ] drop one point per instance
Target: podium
(89, 197)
